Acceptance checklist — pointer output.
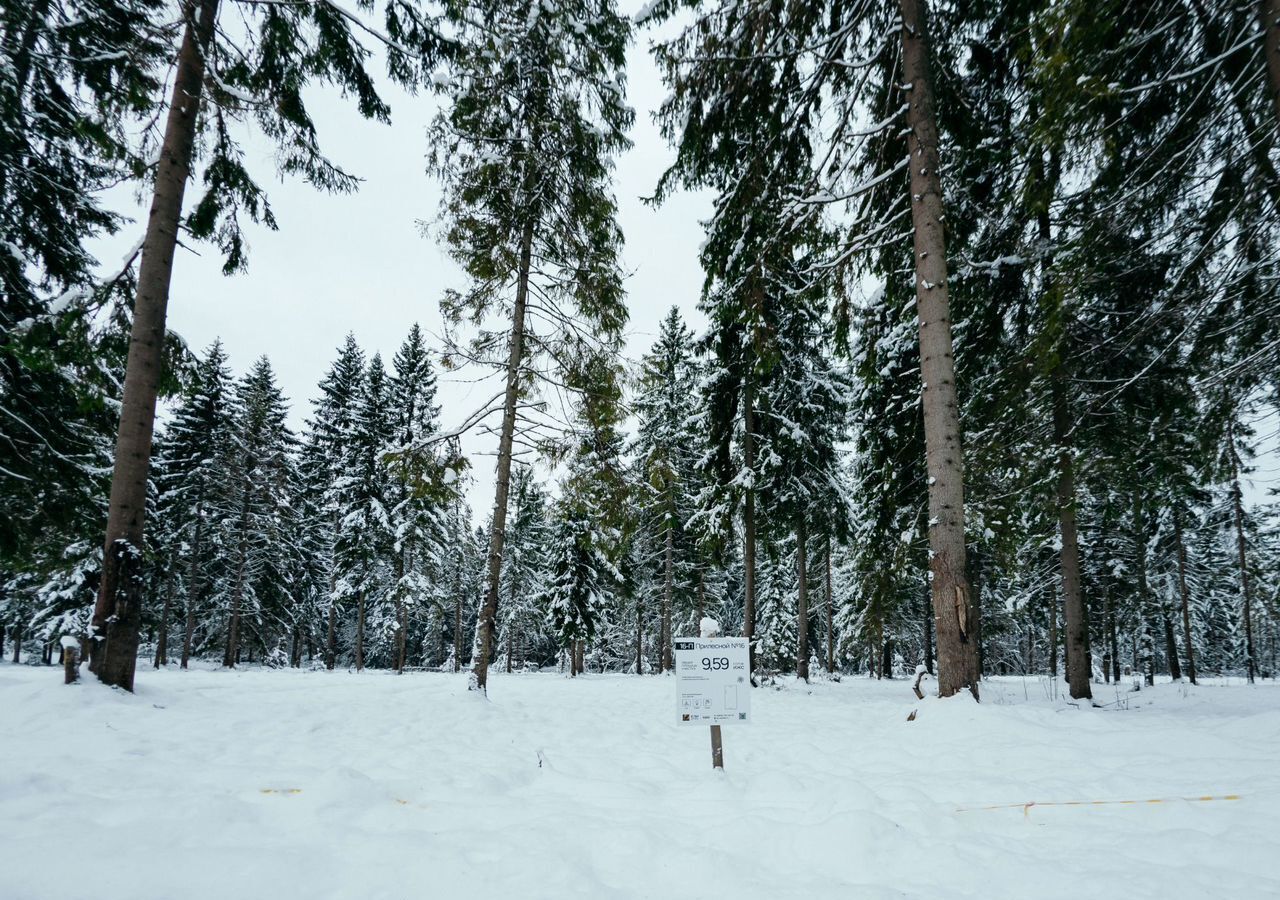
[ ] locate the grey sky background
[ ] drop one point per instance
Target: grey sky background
(359, 263)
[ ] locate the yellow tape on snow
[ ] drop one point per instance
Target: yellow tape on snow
(1026, 807)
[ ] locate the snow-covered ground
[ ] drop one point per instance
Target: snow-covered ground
(282, 784)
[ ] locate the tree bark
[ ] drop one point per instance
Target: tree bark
(640, 638)
(1186, 599)
(360, 631)
(952, 604)
(162, 640)
(1246, 593)
(1052, 599)
(1112, 635)
(1147, 657)
(116, 613)
(489, 611)
(928, 631)
(975, 575)
(1076, 624)
(831, 630)
(457, 631)
(193, 581)
(17, 644)
(802, 603)
(1171, 649)
(1270, 13)
(749, 532)
(402, 633)
(668, 577)
(402, 618)
(702, 597)
(331, 635)
(237, 594)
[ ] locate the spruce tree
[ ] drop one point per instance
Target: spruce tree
(365, 538)
(198, 447)
(666, 447)
(591, 520)
(421, 487)
(332, 429)
(258, 533)
(528, 212)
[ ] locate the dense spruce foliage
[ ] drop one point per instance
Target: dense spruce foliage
(1068, 212)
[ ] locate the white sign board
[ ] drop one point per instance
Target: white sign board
(713, 682)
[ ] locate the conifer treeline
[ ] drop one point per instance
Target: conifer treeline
(1066, 212)
(352, 544)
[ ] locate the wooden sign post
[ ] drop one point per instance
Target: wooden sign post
(713, 683)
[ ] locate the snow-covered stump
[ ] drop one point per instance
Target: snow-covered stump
(70, 659)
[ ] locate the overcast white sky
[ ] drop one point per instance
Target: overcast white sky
(358, 262)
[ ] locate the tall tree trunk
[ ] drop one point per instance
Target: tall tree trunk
(976, 573)
(489, 611)
(928, 631)
(2, 637)
(1246, 593)
(802, 603)
(952, 604)
(116, 613)
(193, 580)
(1147, 642)
(640, 639)
(237, 594)
(331, 636)
(831, 629)
(17, 644)
(1112, 633)
(1171, 648)
(457, 631)
(878, 653)
(402, 633)
(1052, 598)
(1185, 596)
(702, 596)
(233, 623)
(1270, 13)
(162, 640)
(402, 618)
(360, 631)
(749, 531)
(1076, 624)
(668, 578)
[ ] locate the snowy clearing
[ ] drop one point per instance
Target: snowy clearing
(210, 784)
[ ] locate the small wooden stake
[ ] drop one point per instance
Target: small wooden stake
(70, 660)
(717, 749)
